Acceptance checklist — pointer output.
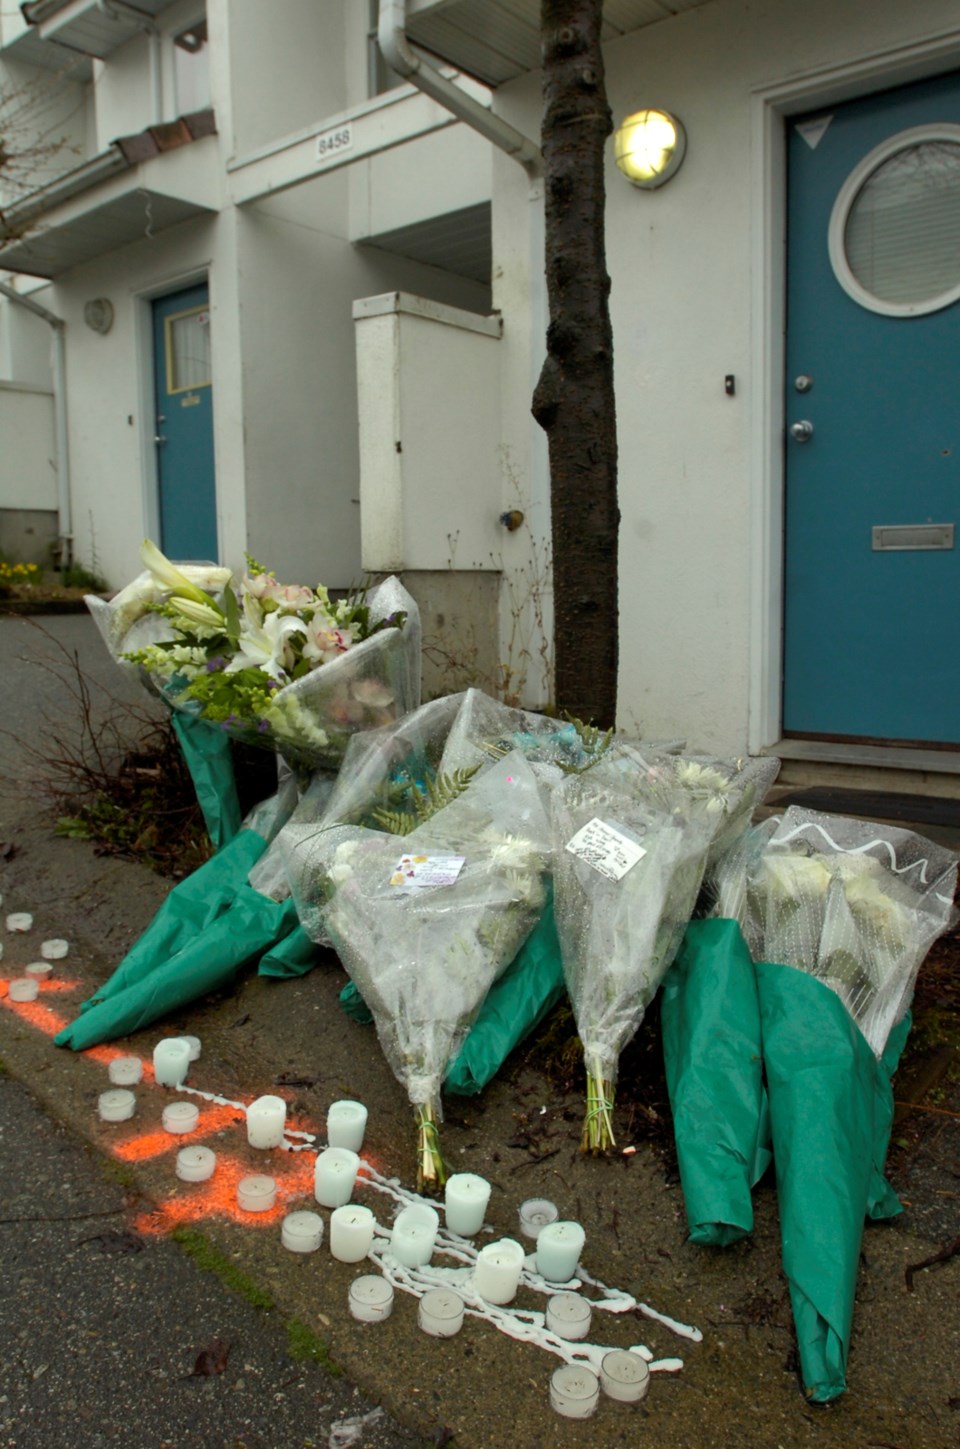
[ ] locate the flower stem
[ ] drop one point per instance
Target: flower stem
(598, 1124)
(431, 1168)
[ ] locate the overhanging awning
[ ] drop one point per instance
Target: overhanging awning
(95, 28)
(498, 40)
(127, 192)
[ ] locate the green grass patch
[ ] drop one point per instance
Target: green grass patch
(118, 1172)
(211, 1260)
(305, 1346)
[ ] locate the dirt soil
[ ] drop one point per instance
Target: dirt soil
(738, 1387)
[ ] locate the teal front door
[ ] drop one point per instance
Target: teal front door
(184, 425)
(872, 557)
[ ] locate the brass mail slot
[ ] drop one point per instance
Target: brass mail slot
(913, 535)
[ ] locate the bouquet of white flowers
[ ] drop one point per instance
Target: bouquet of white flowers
(273, 664)
(853, 903)
(632, 836)
(838, 915)
(426, 920)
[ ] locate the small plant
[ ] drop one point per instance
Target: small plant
(14, 576)
(114, 773)
(78, 576)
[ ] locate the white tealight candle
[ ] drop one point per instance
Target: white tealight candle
(496, 1275)
(39, 970)
(195, 1164)
(334, 1175)
(371, 1298)
(256, 1193)
(302, 1232)
(574, 1391)
(559, 1246)
(414, 1235)
(441, 1313)
(568, 1316)
(624, 1376)
(55, 949)
(171, 1058)
(125, 1071)
(266, 1118)
(20, 921)
(116, 1105)
(466, 1198)
(346, 1124)
(24, 988)
(194, 1044)
(351, 1232)
(535, 1213)
(179, 1117)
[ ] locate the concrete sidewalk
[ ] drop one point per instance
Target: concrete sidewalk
(738, 1387)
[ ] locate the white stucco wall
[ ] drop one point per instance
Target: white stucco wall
(430, 465)
(299, 276)
(46, 124)
(111, 415)
(285, 74)
(28, 465)
(687, 264)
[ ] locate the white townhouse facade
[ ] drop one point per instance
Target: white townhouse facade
(786, 318)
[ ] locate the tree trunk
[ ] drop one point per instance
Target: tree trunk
(574, 400)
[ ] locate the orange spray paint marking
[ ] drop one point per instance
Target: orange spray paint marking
(35, 1015)
(217, 1197)
(155, 1144)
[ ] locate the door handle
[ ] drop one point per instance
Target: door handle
(801, 432)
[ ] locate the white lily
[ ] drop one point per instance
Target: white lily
(198, 611)
(263, 640)
(168, 576)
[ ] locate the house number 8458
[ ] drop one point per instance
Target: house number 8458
(329, 143)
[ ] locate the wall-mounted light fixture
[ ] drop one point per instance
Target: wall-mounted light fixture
(98, 314)
(649, 147)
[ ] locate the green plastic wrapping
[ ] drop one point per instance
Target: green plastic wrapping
(516, 1003)
(210, 926)
(710, 1023)
(295, 955)
(206, 750)
(831, 1106)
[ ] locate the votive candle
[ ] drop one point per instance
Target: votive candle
(256, 1193)
(574, 1391)
(351, 1232)
(39, 970)
(116, 1105)
(466, 1199)
(125, 1071)
(568, 1316)
(334, 1175)
(302, 1232)
(171, 1059)
(266, 1118)
(496, 1276)
(535, 1213)
(371, 1298)
(179, 1117)
(346, 1124)
(624, 1376)
(559, 1246)
(195, 1164)
(24, 988)
(441, 1313)
(415, 1234)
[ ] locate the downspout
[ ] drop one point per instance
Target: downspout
(64, 507)
(416, 68)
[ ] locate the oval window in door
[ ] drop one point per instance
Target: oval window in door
(894, 235)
